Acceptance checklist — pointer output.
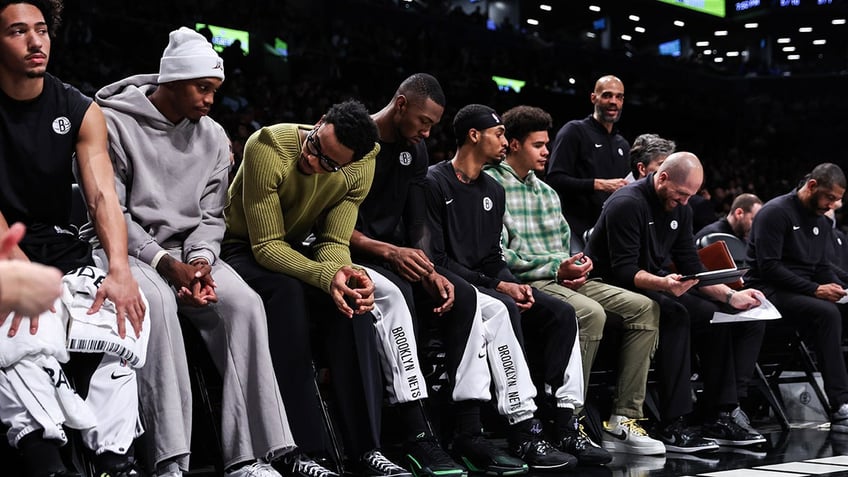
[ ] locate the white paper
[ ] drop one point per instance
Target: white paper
(766, 311)
(844, 298)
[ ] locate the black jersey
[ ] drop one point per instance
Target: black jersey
(37, 143)
(393, 211)
(464, 224)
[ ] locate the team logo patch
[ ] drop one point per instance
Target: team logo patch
(620, 152)
(405, 158)
(839, 240)
(487, 204)
(815, 230)
(61, 125)
(673, 225)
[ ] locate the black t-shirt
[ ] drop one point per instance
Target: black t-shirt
(38, 140)
(464, 224)
(393, 211)
(719, 226)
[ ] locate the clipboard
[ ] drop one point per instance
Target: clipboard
(714, 277)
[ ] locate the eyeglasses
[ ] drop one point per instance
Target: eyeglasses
(314, 148)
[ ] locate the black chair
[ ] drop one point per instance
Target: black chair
(783, 348)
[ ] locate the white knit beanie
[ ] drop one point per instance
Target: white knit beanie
(189, 56)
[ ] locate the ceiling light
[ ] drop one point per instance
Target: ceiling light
(751, 25)
(594, 8)
(634, 18)
(732, 53)
(838, 21)
(702, 43)
(679, 23)
(590, 34)
(626, 37)
(788, 49)
(783, 40)
(721, 33)
(640, 29)
(793, 57)
(544, 7)
(572, 81)
(819, 42)
(708, 52)
(805, 29)
(718, 59)
(532, 21)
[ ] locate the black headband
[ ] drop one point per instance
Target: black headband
(479, 121)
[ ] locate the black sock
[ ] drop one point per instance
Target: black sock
(41, 456)
(563, 417)
(111, 461)
(412, 417)
(467, 414)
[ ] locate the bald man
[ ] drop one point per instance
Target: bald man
(643, 227)
(589, 158)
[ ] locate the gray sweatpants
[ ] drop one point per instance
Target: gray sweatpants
(254, 423)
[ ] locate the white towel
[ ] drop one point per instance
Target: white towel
(48, 341)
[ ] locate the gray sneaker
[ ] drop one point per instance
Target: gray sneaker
(839, 419)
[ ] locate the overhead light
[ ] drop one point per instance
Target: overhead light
(788, 49)
(639, 29)
(838, 21)
(532, 21)
(721, 33)
(626, 37)
(572, 81)
(732, 53)
(751, 25)
(635, 18)
(594, 8)
(805, 29)
(708, 52)
(718, 59)
(544, 7)
(783, 40)
(590, 34)
(793, 57)
(702, 43)
(819, 42)
(679, 23)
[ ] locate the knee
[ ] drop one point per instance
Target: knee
(591, 321)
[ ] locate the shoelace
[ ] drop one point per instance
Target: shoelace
(584, 439)
(258, 469)
(377, 460)
(741, 417)
(311, 468)
(633, 427)
(540, 446)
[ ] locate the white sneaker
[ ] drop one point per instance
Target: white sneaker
(623, 434)
(256, 469)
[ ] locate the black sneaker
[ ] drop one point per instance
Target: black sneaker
(530, 447)
(426, 458)
(477, 454)
(725, 431)
(574, 441)
(301, 465)
(65, 473)
(676, 437)
(127, 468)
(375, 464)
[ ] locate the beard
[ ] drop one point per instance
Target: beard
(36, 73)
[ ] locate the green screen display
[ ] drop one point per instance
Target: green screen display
(506, 84)
(223, 37)
(712, 7)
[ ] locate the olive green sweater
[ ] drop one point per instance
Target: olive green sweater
(272, 205)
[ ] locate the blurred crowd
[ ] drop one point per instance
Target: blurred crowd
(754, 134)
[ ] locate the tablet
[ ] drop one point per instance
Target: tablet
(728, 275)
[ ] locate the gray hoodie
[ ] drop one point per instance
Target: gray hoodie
(171, 179)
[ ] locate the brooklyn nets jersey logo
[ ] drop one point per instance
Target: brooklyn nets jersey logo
(487, 204)
(61, 125)
(405, 158)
